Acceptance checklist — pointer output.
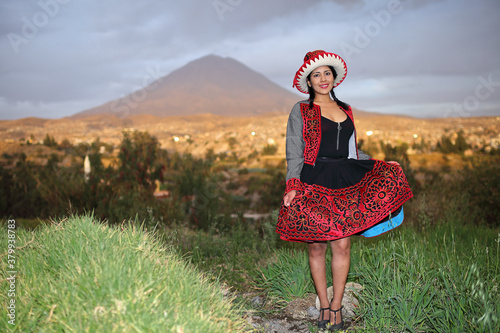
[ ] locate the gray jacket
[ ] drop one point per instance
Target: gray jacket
(295, 143)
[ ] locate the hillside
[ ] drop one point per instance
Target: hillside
(211, 84)
(241, 135)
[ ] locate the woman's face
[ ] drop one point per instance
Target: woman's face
(321, 80)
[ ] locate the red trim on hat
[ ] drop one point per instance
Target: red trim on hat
(315, 56)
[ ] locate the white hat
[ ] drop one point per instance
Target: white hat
(315, 59)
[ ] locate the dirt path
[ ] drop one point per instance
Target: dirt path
(300, 315)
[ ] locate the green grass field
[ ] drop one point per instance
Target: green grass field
(443, 279)
(80, 275)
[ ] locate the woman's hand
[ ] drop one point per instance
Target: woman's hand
(287, 199)
(393, 162)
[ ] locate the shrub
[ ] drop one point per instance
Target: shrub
(480, 181)
(269, 149)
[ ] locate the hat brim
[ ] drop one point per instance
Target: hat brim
(325, 59)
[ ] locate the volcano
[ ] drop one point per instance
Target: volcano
(208, 85)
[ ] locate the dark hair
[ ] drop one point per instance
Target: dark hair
(312, 94)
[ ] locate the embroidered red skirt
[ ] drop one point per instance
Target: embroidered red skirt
(319, 213)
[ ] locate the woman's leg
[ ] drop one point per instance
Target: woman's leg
(317, 263)
(341, 259)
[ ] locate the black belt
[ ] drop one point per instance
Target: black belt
(330, 159)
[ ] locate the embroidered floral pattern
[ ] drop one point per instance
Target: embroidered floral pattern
(311, 131)
(293, 184)
(319, 214)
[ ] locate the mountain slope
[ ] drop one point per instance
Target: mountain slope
(211, 84)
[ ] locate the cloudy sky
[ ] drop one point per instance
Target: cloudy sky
(425, 58)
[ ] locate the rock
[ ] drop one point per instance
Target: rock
(301, 313)
(313, 312)
(255, 321)
(257, 301)
(349, 301)
(297, 308)
(283, 326)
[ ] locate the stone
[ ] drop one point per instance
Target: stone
(313, 312)
(349, 301)
(257, 301)
(297, 308)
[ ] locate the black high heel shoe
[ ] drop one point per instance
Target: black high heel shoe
(323, 322)
(333, 327)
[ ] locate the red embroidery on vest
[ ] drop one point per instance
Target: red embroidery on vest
(311, 131)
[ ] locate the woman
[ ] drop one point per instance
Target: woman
(333, 190)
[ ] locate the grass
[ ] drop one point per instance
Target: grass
(439, 272)
(444, 280)
(233, 255)
(284, 279)
(80, 275)
(430, 282)
(443, 277)
(29, 224)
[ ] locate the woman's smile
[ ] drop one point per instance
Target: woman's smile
(321, 80)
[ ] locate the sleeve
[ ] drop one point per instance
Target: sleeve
(294, 149)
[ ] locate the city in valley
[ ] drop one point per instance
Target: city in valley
(244, 119)
(242, 136)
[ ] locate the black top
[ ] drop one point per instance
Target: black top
(335, 138)
(332, 168)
